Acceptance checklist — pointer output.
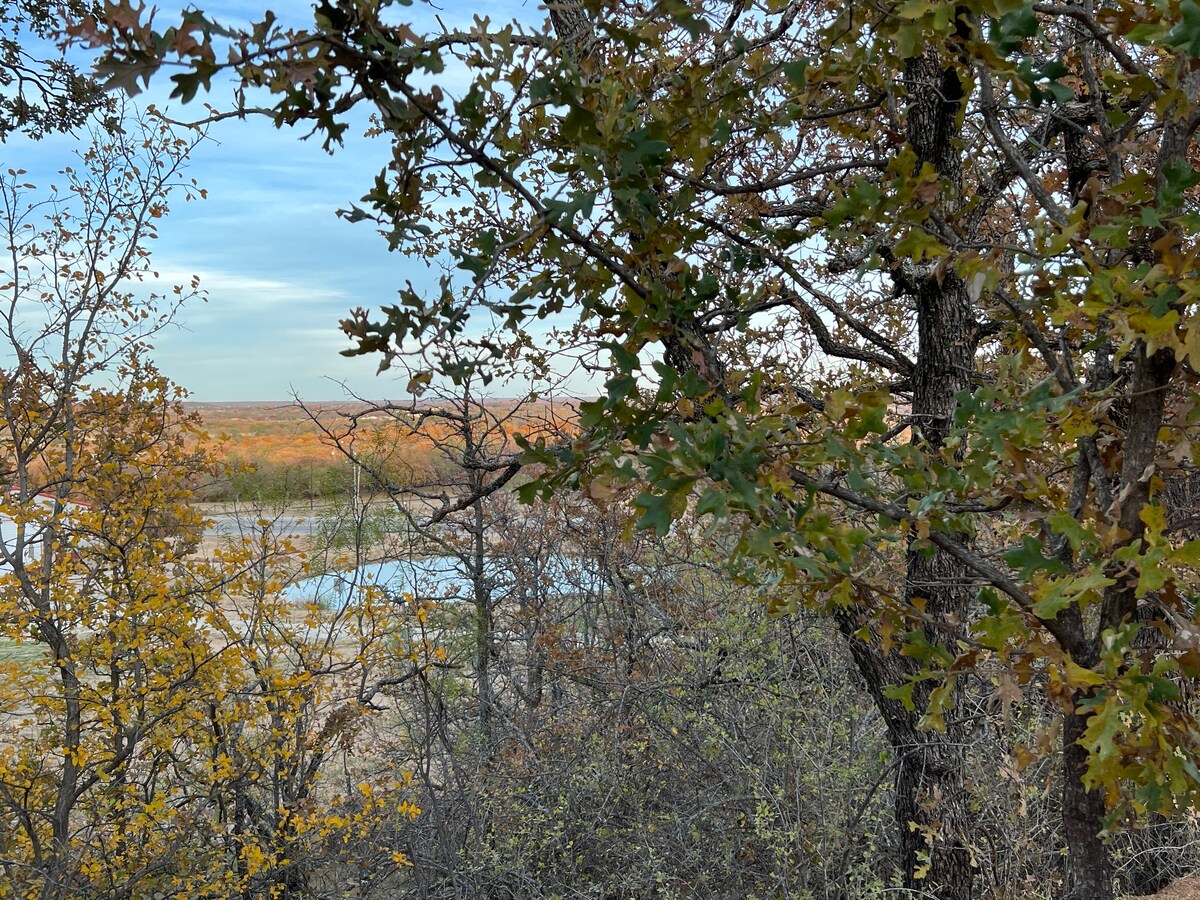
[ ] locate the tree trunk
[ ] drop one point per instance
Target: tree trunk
(1087, 869)
(931, 806)
(482, 597)
(930, 802)
(58, 876)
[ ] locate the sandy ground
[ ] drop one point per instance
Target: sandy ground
(1183, 889)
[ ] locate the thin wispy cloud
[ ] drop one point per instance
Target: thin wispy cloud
(230, 289)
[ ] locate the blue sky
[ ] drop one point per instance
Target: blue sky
(279, 268)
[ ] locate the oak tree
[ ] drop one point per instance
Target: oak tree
(40, 90)
(902, 291)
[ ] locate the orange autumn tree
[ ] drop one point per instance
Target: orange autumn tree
(167, 721)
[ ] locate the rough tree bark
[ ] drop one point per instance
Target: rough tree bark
(931, 808)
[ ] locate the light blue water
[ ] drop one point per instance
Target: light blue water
(436, 578)
(440, 578)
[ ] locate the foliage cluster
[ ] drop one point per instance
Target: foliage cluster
(170, 725)
(40, 91)
(653, 731)
(900, 294)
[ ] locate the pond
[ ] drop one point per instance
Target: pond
(440, 578)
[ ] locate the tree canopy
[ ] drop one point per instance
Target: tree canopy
(901, 292)
(40, 91)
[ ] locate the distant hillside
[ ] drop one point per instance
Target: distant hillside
(281, 453)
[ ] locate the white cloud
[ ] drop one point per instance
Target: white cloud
(247, 291)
